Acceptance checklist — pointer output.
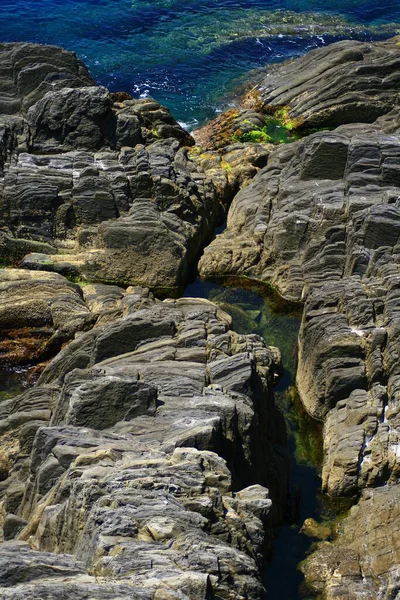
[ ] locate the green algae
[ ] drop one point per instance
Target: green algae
(258, 135)
(226, 166)
(279, 134)
(279, 128)
(307, 433)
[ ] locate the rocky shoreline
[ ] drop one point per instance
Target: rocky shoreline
(150, 460)
(321, 223)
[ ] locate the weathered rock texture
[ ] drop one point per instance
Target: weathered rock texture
(140, 457)
(29, 71)
(99, 185)
(345, 82)
(39, 312)
(332, 237)
(321, 222)
(364, 563)
(136, 466)
(137, 459)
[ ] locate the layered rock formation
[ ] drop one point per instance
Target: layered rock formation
(345, 82)
(149, 461)
(38, 313)
(138, 459)
(98, 185)
(364, 563)
(332, 238)
(321, 223)
(136, 466)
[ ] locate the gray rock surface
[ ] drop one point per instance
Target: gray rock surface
(344, 82)
(29, 71)
(332, 242)
(364, 561)
(100, 186)
(136, 467)
(321, 223)
(296, 227)
(140, 456)
(339, 83)
(38, 312)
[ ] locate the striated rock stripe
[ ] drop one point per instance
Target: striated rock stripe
(141, 454)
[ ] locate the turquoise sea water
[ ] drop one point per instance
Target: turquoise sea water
(187, 54)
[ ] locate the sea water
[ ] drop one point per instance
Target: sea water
(189, 54)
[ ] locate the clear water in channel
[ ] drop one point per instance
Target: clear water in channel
(255, 313)
(188, 54)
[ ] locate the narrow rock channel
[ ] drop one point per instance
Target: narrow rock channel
(278, 323)
(321, 224)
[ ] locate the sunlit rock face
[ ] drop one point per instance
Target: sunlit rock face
(346, 82)
(150, 459)
(367, 543)
(321, 222)
(100, 186)
(140, 458)
(95, 184)
(142, 454)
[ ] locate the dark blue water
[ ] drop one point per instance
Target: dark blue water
(187, 53)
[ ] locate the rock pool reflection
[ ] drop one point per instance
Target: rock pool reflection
(14, 381)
